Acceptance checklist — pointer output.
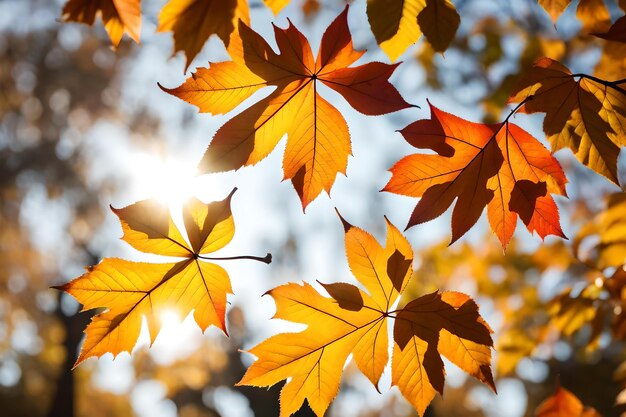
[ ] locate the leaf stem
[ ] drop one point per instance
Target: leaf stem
(519, 105)
(267, 259)
(612, 84)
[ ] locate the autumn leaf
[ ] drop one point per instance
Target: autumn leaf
(594, 15)
(439, 22)
(554, 7)
(318, 141)
(564, 404)
(398, 24)
(570, 313)
(500, 166)
(616, 33)
(512, 346)
(354, 321)
(607, 232)
(194, 21)
(587, 115)
(130, 291)
(118, 16)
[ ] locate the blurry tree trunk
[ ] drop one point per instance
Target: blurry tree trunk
(64, 400)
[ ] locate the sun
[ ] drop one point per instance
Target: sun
(171, 180)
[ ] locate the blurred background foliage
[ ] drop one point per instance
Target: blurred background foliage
(78, 120)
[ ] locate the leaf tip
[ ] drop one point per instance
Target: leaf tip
(165, 89)
(410, 224)
(230, 195)
(346, 226)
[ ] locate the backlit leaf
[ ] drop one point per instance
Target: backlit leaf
(564, 404)
(587, 115)
(499, 166)
(554, 7)
(354, 321)
(132, 290)
(194, 21)
(118, 16)
(318, 141)
(397, 24)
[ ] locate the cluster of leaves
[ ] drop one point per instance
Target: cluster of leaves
(588, 313)
(593, 14)
(354, 322)
(594, 264)
(318, 139)
(396, 24)
(497, 166)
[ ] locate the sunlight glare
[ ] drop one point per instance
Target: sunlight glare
(172, 181)
(178, 337)
(169, 317)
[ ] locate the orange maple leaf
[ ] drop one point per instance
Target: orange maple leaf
(500, 166)
(132, 290)
(194, 21)
(354, 321)
(318, 141)
(118, 16)
(564, 404)
(587, 115)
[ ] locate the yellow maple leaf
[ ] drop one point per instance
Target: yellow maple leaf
(354, 321)
(132, 290)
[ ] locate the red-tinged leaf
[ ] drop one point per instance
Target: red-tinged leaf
(495, 165)
(318, 141)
